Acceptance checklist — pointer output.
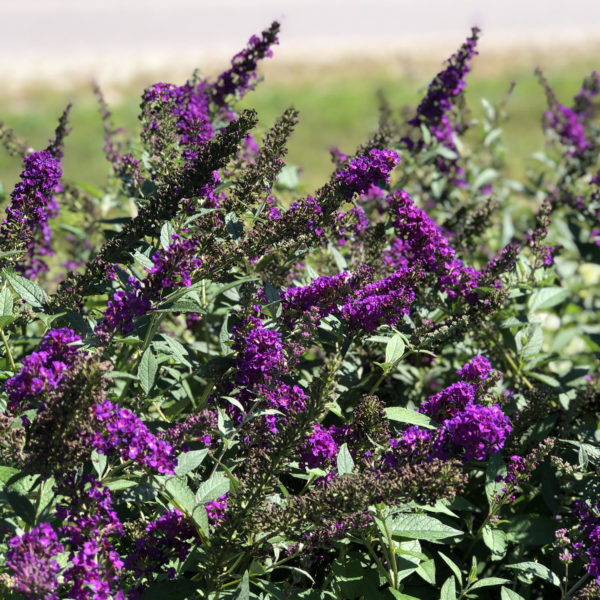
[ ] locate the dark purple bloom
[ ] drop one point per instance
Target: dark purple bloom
(477, 369)
(474, 433)
(435, 109)
(319, 449)
(173, 267)
(366, 171)
(32, 206)
(216, 509)
(124, 432)
(90, 523)
(169, 537)
(32, 559)
(44, 369)
(421, 243)
(569, 129)
(239, 78)
(589, 525)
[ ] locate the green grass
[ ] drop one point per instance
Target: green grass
(337, 104)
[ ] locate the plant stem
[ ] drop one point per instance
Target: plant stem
(11, 360)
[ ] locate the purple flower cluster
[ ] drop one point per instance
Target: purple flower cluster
(385, 301)
(173, 267)
(466, 429)
(368, 170)
(362, 304)
(238, 79)
(216, 509)
(32, 205)
(90, 523)
(261, 355)
(570, 130)
(189, 105)
(475, 433)
(319, 448)
(583, 102)
(169, 537)
(424, 244)
(124, 432)
(477, 369)
(589, 526)
(44, 369)
(435, 108)
(123, 307)
(285, 398)
(32, 559)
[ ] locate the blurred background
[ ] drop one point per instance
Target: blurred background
(332, 59)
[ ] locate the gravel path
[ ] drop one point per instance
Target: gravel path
(54, 40)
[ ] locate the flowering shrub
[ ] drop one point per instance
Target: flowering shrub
(385, 389)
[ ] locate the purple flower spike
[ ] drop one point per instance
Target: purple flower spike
(42, 370)
(366, 171)
(31, 557)
(478, 369)
(238, 79)
(126, 433)
(32, 206)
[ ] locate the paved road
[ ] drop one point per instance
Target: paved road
(115, 38)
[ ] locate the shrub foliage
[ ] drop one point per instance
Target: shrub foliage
(217, 386)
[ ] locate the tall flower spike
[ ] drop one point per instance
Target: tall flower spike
(32, 558)
(238, 79)
(434, 111)
(33, 204)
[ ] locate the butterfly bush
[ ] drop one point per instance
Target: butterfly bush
(384, 388)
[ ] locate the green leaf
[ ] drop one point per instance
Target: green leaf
(188, 461)
(422, 527)
(173, 588)
(212, 489)
(507, 594)
(345, 464)
(400, 596)
(200, 517)
(529, 340)
(394, 349)
(234, 227)
(183, 305)
(412, 417)
(142, 260)
(6, 303)
(495, 468)
(426, 570)
(340, 261)
(448, 591)
(489, 581)
(99, 462)
(536, 570)
(243, 590)
(543, 298)
(495, 540)
(166, 235)
(6, 320)
(288, 178)
(175, 349)
(181, 495)
(446, 152)
(29, 291)
(452, 566)
(147, 370)
(486, 176)
(224, 336)
(6, 473)
(21, 505)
